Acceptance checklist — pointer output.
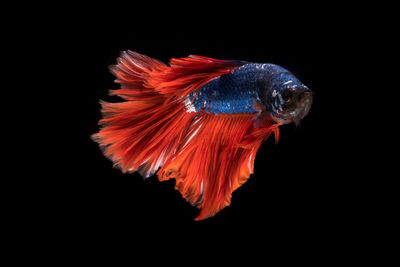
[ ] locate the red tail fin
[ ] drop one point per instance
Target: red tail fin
(132, 72)
(143, 132)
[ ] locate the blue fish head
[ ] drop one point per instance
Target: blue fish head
(287, 99)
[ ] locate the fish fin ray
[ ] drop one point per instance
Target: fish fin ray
(141, 133)
(187, 74)
(213, 162)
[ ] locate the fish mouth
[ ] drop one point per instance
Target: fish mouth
(303, 101)
(303, 106)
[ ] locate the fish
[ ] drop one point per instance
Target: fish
(197, 120)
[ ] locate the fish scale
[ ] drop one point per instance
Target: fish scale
(231, 93)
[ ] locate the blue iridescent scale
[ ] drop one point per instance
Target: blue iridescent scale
(233, 93)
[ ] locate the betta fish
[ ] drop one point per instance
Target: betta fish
(197, 120)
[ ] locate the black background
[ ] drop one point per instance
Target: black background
(294, 181)
(304, 191)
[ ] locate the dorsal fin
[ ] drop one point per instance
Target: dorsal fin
(190, 73)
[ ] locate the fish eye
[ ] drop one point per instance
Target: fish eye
(287, 95)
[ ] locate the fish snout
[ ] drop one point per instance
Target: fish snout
(305, 102)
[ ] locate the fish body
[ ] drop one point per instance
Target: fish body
(199, 121)
(236, 92)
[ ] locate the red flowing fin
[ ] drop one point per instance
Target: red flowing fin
(259, 133)
(132, 72)
(190, 73)
(213, 161)
(140, 136)
(142, 133)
